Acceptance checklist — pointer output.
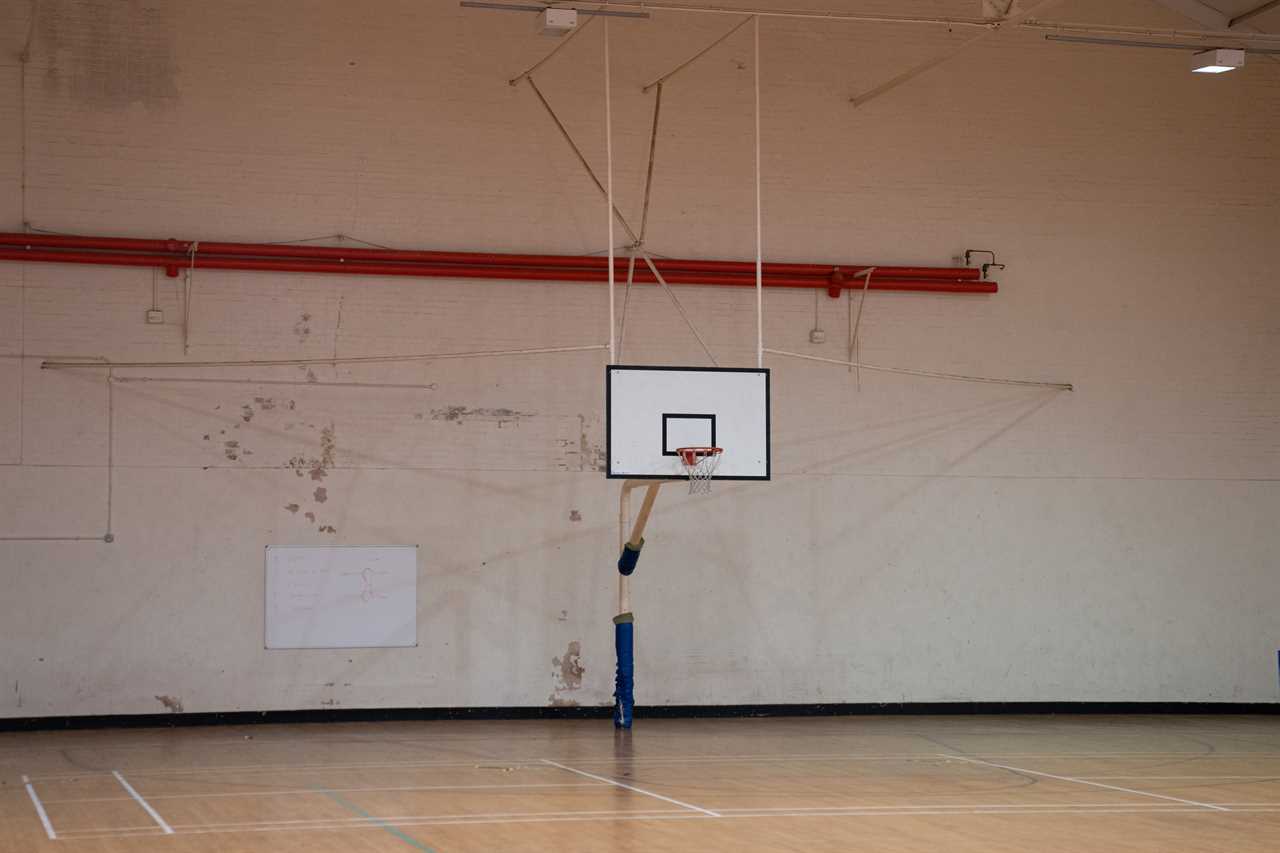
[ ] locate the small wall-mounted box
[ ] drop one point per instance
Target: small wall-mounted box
(155, 316)
(558, 22)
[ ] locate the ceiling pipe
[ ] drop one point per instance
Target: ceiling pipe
(174, 255)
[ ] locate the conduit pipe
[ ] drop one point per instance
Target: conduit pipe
(174, 255)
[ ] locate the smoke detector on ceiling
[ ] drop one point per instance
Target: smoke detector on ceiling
(558, 22)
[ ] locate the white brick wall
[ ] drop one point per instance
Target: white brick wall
(921, 540)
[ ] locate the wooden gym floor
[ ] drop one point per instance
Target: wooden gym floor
(1035, 783)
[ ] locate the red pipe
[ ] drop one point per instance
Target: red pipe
(175, 254)
(299, 265)
(270, 250)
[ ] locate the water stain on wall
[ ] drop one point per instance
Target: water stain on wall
(108, 53)
(171, 704)
(321, 494)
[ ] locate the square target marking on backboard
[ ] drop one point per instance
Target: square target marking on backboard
(687, 430)
(652, 411)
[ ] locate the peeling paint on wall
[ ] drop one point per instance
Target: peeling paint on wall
(461, 414)
(172, 704)
(321, 494)
(293, 508)
(568, 674)
(318, 469)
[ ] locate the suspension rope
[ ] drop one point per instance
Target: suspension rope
(759, 223)
(608, 213)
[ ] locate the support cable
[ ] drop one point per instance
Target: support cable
(581, 158)
(949, 54)
(297, 362)
(648, 179)
(658, 81)
(563, 42)
(854, 343)
(676, 302)
(930, 374)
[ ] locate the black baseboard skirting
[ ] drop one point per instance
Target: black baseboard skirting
(846, 709)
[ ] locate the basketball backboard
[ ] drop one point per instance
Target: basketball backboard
(652, 411)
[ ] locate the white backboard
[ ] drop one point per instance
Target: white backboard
(650, 411)
(342, 597)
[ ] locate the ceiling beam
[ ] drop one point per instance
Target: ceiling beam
(1253, 13)
(1202, 13)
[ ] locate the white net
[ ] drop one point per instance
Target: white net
(699, 465)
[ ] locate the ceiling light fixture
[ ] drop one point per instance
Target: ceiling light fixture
(1217, 61)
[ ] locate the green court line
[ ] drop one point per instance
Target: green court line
(389, 827)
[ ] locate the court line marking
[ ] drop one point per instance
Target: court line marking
(1273, 777)
(672, 815)
(293, 791)
(616, 783)
(43, 815)
(155, 815)
(1080, 781)
(382, 823)
(525, 763)
(406, 820)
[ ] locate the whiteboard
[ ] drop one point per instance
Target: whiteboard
(342, 597)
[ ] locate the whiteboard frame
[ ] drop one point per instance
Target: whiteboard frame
(267, 600)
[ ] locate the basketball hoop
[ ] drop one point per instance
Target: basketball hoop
(700, 465)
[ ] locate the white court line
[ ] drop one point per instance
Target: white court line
(524, 763)
(1273, 777)
(44, 816)
(1080, 781)
(616, 783)
(313, 791)
(168, 830)
(481, 820)
(379, 820)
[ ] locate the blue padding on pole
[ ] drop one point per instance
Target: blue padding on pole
(630, 556)
(623, 691)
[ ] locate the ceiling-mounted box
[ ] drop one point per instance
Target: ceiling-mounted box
(558, 22)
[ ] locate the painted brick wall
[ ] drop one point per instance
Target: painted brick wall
(921, 541)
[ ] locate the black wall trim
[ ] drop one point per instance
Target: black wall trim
(349, 715)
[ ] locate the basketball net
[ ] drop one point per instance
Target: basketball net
(699, 465)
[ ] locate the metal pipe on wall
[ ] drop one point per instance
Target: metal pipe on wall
(173, 255)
